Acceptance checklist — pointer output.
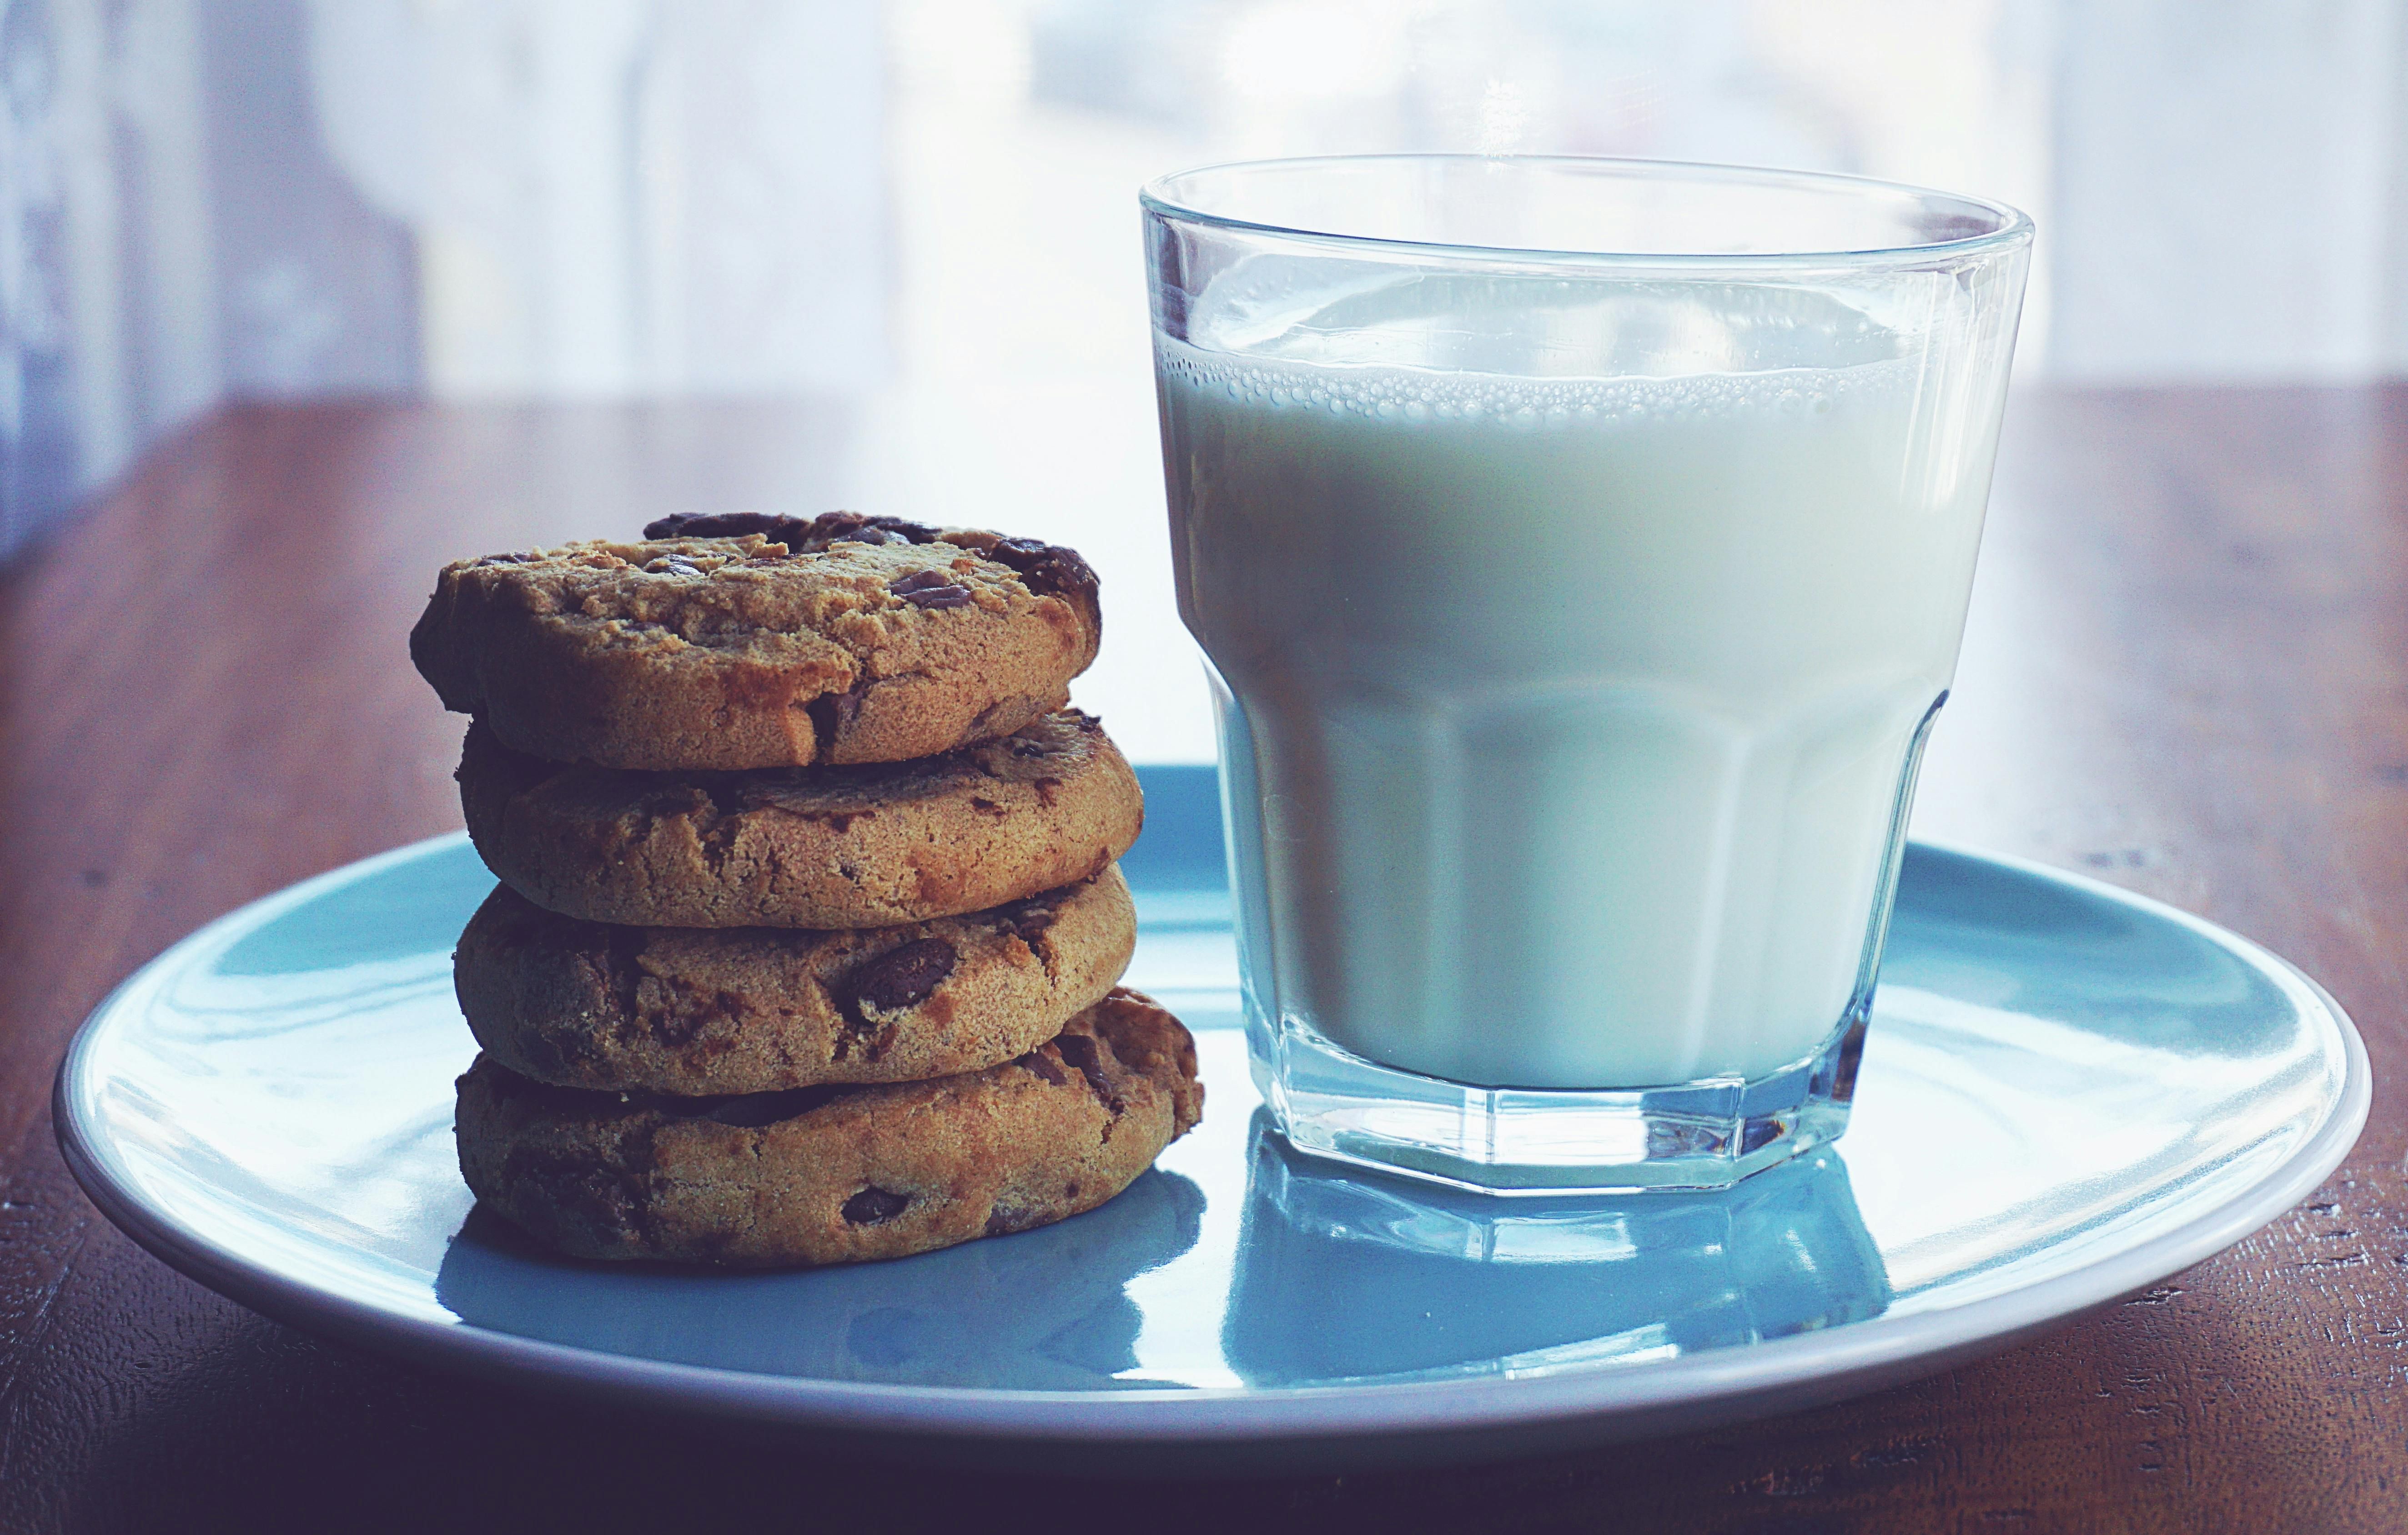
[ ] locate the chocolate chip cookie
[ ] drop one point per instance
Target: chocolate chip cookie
(757, 1010)
(742, 641)
(835, 1174)
(805, 847)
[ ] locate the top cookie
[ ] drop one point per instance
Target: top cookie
(740, 640)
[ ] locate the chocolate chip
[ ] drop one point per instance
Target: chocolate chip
(1088, 1057)
(902, 978)
(623, 947)
(1003, 1220)
(875, 1206)
(1027, 919)
(832, 714)
(1046, 789)
(931, 589)
(1038, 1063)
(674, 1027)
(828, 527)
(799, 534)
(868, 530)
(687, 1011)
(789, 531)
(594, 1199)
(1046, 567)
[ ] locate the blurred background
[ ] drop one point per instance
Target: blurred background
(919, 215)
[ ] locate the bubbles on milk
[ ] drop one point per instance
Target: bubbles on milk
(1415, 396)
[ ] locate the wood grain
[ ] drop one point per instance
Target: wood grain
(2188, 672)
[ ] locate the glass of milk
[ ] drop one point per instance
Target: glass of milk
(1581, 549)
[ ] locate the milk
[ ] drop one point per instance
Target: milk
(1568, 719)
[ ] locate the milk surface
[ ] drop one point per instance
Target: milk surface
(1566, 716)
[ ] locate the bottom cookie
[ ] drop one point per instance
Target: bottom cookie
(835, 1174)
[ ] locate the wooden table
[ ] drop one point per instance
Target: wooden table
(2188, 672)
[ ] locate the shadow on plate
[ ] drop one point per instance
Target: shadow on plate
(1043, 1309)
(1349, 1276)
(1338, 1276)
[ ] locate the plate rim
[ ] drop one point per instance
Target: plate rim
(1786, 1370)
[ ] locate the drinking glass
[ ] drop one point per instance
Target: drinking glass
(1580, 549)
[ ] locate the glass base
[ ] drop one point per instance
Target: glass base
(1707, 1134)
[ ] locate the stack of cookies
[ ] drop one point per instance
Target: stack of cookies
(809, 928)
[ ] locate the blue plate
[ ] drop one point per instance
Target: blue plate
(2069, 1093)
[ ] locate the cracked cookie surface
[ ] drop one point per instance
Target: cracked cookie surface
(835, 1174)
(754, 1009)
(866, 846)
(855, 639)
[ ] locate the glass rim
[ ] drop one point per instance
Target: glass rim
(2015, 227)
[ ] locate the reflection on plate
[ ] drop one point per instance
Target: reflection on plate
(1348, 1277)
(2066, 1094)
